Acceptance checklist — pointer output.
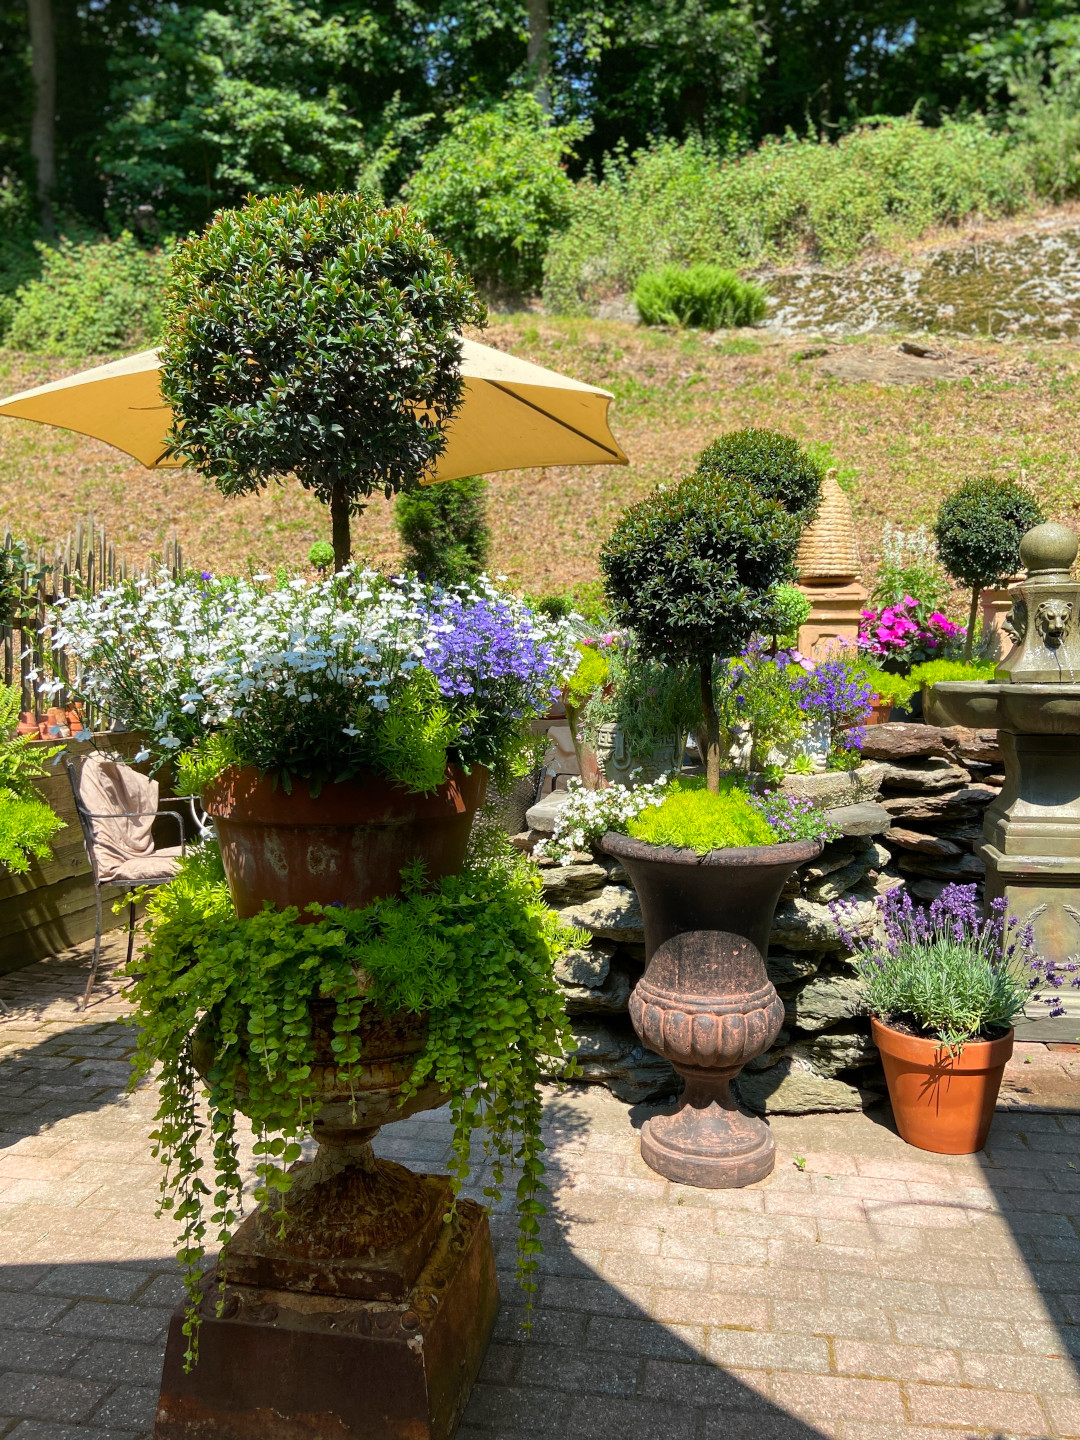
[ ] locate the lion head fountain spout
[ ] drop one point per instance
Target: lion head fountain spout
(1031, 832)
(1045, 621)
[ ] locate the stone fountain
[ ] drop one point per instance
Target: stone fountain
(1031, 832)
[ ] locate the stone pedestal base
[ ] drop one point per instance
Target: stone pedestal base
(285, 1365)
(708, 1141)
(834, 620)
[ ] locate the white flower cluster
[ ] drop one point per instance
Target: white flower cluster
(182, 657)
(588, 814)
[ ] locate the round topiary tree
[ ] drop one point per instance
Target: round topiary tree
(776, 465)
(978, 531)
(315, 336)
(691, 570)
(444, 529)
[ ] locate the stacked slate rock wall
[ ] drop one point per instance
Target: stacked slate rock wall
(911, 816)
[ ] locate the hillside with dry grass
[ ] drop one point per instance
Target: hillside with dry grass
(897, 447)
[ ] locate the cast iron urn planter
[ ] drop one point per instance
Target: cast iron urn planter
(706, 1002)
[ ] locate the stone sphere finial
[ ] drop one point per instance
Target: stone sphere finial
(1049, 550)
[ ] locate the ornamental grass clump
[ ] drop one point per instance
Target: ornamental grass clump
(947, 973)
(322, 679)
(704, 297)
(978, 531)
(475, 954)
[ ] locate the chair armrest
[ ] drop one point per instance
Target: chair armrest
(179, 819)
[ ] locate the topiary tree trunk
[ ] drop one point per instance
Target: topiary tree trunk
(340, 524)
(712, 728)
(973, 613)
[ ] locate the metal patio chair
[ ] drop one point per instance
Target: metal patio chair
(118, 808)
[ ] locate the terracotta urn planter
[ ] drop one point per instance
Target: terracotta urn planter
(880, 712)
(705, 1001)
(942, 1101)
(367, 1317)
(346, 845)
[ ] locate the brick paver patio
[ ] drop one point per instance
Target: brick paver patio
(865, 1291)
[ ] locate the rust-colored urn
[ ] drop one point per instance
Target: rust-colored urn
(706, 1002)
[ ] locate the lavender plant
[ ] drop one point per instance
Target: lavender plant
(947, 972)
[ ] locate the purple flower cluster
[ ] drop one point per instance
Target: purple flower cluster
(793, 817)
(900, 633)
(479, 649)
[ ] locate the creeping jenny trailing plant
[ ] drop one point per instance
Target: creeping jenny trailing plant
(315, 336)
(474, 954)
(320, 679)
(948, 973)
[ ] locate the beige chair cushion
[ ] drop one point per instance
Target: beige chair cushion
(123, 804)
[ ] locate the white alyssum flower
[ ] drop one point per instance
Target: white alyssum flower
(587, 815)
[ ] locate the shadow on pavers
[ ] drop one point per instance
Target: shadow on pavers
(72, 1071)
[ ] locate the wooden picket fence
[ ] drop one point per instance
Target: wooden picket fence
(84, 564)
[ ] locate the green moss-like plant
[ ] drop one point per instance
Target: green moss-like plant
(705, 297)
(476, 954)
(698, 819)
(315, 336)
(775, 464)
(978, 531)
(444, 529)
(889, 688)
(931, 671)
(27, 823)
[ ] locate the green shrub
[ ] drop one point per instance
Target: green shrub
(678, 204)
(494, 190)
(315, 336)
(706, 297)
(774, 464)
(444, 529)
(92, 298)
(27, 823)
(320, 556)
(696, 819)
(931, 671)
(693, 570)
(889, 688)
(978, 530)
(792, 612)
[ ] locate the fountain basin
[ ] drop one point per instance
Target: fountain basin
(1018, 709)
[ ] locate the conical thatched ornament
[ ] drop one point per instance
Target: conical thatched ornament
(829, 552)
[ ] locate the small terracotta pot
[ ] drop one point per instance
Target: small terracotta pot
(942, 1102)
(880, 712)
(347, 845)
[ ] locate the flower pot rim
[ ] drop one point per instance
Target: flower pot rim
(919, 1049)
(786, 852)
(261, 797)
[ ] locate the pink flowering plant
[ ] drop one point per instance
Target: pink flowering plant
(899, 636)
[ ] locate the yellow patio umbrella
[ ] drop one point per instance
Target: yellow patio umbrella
(515, 415)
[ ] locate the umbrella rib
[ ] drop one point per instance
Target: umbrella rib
(590, 439)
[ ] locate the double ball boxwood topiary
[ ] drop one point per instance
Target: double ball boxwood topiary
(694, 569)
(978, 531)
(315, 336)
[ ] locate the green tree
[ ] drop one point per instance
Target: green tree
(444, 529)
(978, 530)
(693, 571)
(319, 337)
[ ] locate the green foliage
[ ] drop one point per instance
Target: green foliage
(681, 204)
(979, 527)
(909, 566)
(654, 704)
(16, 572)
(931, 671)
(692, 569)
(705, 297)
(494, 189)
(27, 823)
(692, 818)
(316, 336)
(92, 298)
(475, 954)
(321, 555)
(889, 688)
(776, 465)
(592, 674)
(412, 738)
(792, 612)
(586, 599)
(444, 529)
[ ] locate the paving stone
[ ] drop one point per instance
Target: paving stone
(49, 1397)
